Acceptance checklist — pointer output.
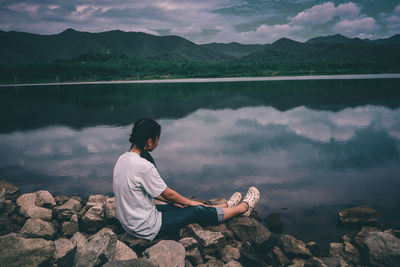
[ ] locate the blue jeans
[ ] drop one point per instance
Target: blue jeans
(174, 218)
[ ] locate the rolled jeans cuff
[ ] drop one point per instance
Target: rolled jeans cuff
(220, 214)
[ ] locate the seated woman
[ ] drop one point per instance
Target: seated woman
(136, 182)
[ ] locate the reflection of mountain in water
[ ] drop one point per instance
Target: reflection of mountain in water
(87, 105)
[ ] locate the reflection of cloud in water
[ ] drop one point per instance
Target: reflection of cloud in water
(300, 157)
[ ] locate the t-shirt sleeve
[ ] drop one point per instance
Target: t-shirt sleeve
(152, 182)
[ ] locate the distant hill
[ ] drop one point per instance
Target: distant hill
(234, 49)
(17, 47)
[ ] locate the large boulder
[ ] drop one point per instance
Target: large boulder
(66, 210)
(44, 199)
(192, 251)
(38, 228)
(137, 244)
(94, 220)
(110, 211)
(229, 253)
(26, 201)
(18, 251)
(249, 230)
(36, 212)
(358, 216)
(210, 242)
(71, 227)
(222, 229)
(346, 251)
(167, 253)
(383, 249)
(64, 253)
(123, 252)
(294, 248)
(11, 191)
(30, 205)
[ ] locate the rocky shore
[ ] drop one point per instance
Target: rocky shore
(37, 229)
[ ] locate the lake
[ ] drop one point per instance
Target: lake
(312, 147)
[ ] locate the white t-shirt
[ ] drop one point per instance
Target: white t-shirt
(136, 182)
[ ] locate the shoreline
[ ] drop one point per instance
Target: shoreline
(225, 79)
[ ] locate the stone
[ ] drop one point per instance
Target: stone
(229, 253)
(137, 244)
(358, 216)
(9, 207)
(64, 253)
(66, 210)
(167, 253)
(297, 262)
(11, 191)
(233, 263)
(25, 201)
(313, 248)
(210, 242)
(335, 262)
(2, 198)
(360, 236)
(249, 230)
(71, 227)
(36, 212)
(383, 249)
(123, 252)
(217, 201)
(221, 228)
(294, 247)
(93, 220)
(212, 262)
(192, 251)
(314, 262)
(277, 258)
(346, 251)
(7, 226)
(110, 211)
(274, 222)
(250, 256)
(141, 262)
(61, 200)
(39, 228)
(395, 233)
(100, 199)
(44, 199)
(16, 250)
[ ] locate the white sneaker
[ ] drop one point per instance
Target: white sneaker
(251, 198)
(234, 200)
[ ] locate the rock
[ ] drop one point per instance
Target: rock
(9, 207)
(11, 191)
(314, 262)
(294, 247)
(221, 228)
(217, 201)
(39, 228)
(18, 251)
(123, 252)
(81, 250)
(99, 199)
(61, 200)
(296, 262)
(212, 262)
(64, 253)
(233, 263)
(70, 228)
(313, 248)
(335, 262)
(251, 257)
(137, 244)
(35, 212)
(2, 198)
(6, 226)
(142, 262)
(229, 253)
(277, 258)
(346, 251)
(383, 249)
(274, 222)
(93, 220)
(25, 201)
(111, 211)
(66, 210)
(358, 216)
(395, 233)
(360, 236)
(209, 241)
(192, 251)
(44, 199)
(167, 253)
(249, 230)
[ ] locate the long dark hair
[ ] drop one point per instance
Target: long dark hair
(143, 130)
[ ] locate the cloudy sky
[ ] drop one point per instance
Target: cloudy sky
(203, 21)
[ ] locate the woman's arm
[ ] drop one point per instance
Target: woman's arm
(175, 197)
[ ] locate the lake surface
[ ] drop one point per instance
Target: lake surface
(312, 147)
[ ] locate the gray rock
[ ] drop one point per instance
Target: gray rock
(248, 229)
(26, 201)
(12, 192)
(297, 262)
(44, 199)
(99, 199)
(335, 262)
(94, 220)
(217, 201)
(313, 248)
(346, 251)
(383, 249)
(221, 228)
(66, 210)
(142, 262)
(70, 228)
(7, 226)
(229, 253)
(192, 251)
(18, 251)
(38, 228)
(61, 200)
(395, 233)
(2, 198)
(36, 212)
(360, 236)
(294, 247)
(210, 242)
(137, 244)
(64, 253)
(358, 216)
(9, 207)
(81, 257)
(314, 262)
(277, 258)
(233, 263)
(123, 252)
(250, 256)
(212, 262)
(110, 210)
(274, 222)
(167, 253)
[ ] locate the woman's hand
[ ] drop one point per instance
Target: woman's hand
(195, 203)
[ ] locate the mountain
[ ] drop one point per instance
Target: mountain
(19, 47)
(337, 39)
(234, 49)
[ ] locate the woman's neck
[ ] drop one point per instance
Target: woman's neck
(136, 149)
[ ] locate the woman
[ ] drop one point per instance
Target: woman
(136, 182)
